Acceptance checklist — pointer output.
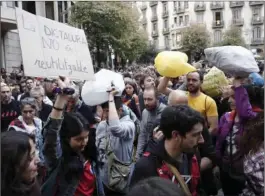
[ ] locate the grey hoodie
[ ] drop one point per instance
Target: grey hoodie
(121, 133)
(150, 120)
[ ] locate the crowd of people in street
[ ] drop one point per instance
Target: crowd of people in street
(162, 136)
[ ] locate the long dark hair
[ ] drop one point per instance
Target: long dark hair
(15, 158)
(256, 95)
(253, 137)
(133, 84)
(73, 124)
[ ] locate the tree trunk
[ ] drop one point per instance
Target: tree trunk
(98, 54)
(107, 58)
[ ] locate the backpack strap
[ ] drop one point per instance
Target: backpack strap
(180, 179)
(205, 113)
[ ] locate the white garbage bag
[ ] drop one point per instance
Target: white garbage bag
(95, 92)
(234, 60)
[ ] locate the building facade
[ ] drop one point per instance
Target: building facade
(164, 20)
(11, 57)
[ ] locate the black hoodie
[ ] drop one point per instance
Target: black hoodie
(152, 164)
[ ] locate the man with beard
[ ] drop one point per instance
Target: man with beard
(146, 81)
(196, 99)
(9, 108)
(207, 107)
(182, 129)
(29, 84)
(150, 118)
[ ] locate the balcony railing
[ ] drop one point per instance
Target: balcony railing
(153, 3)
(144, 21)
(154, 18)
(238, 22)
(257, 21)
(257, 41)
(199, 7)
(165, 14)
(173, 26)
(144, 6)
(180, 10)
(237, 4)
(218, 24)
(256, 3)
(154, 33)
(217, 5)
(166, 31)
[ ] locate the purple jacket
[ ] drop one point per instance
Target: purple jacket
(244, 110)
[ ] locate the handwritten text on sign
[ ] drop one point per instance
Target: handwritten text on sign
(50, 48)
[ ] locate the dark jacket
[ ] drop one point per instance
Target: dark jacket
(64, 172)
(86, 111)
(150, 120)
(9, 112)
(152, 164)
(24, 190)
(207, 149)
(45, 112)
(244, 110)
(25, 95)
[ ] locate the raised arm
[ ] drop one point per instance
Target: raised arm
(162, 87)
(53, 126)
(117, 128)
(243, 105)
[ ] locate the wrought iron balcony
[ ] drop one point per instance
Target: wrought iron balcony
(165, 14)
(257, 41)
(256, 3)
(199, 7)
(238, 22)
(237, 4)
(257, 21)
(217, 5)
(144, 6)
(155, 33)
(180, 10)
(166, 31)
(153, 3)
(218, 24)
(154, 18)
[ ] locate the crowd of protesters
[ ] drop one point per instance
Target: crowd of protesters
(163, 136)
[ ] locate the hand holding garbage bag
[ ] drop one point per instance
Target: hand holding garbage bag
(172, 64)
(96, 92)
(235, 60)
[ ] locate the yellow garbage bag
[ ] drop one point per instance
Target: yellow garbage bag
(212, 82)
(172, 64)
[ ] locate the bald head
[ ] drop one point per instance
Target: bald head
(177, 97)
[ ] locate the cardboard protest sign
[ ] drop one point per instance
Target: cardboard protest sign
(50, 48)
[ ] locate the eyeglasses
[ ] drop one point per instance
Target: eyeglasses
(27, 111)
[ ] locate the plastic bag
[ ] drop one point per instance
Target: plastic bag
(256, 79)
(234, 60)
(212, 82)
(172, 64)
(95, 92)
